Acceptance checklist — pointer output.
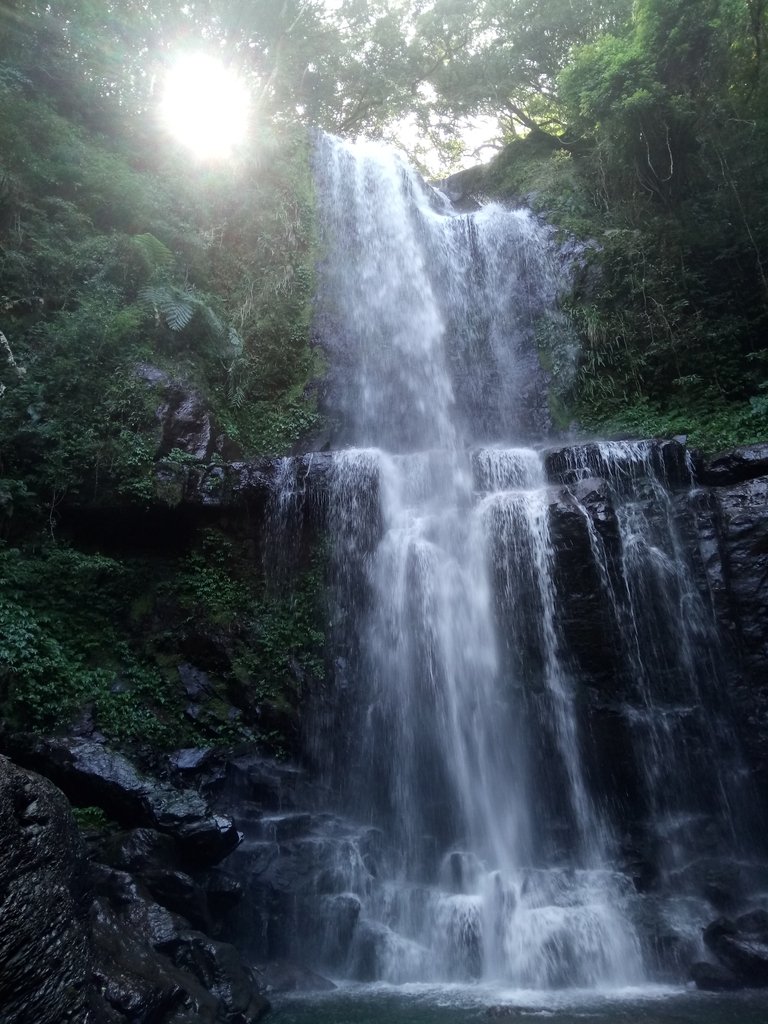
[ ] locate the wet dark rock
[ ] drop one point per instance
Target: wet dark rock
(195, 683)
(741, 946)
(191, 761)
(138, 983)
(288, 826)
(247, 485)
(737, 569)
(91, 774)
(754, 922)
(153, 969)
(224, 891)
(138, 849)
(714, 977)
(283, 976)
(218, 967)
(342, 911)
(370, 944)
(735, 466)
(269, 784)
(593, 493)
(177, 891)
(186, 422)
(585, 615)
(667, 459)
(45, 953)
(721, 885)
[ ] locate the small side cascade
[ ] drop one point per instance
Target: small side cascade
(697, 801)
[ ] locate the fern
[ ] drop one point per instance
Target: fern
(158, 256)
(215, 323)
(177, 313)
(176, 307)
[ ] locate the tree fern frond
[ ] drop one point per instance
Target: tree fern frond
(177, 309)
(237, 397)
(158, 255)
(216, 325)
(177, 312)
(152, 295)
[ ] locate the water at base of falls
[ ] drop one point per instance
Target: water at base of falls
(474, 827)
(424, 1004)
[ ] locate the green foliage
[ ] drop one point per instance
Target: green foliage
(640, 128)
(275, 638)
(84, 631)
(662, 169)
(710, 428)
(90, 819)
(288, 641)
(64, 646)
(208, 589)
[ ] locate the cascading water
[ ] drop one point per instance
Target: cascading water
(433, 317)
(486, 842)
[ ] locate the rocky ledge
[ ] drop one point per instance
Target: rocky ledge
(118, 932)
(740, 949)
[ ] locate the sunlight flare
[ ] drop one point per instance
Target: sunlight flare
(205, 106)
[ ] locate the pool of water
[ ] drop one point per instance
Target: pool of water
(420, 1004)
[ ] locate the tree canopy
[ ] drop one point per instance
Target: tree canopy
(650, 117)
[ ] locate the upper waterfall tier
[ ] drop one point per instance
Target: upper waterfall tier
(428, 315)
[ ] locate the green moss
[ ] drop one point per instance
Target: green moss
(91, 819)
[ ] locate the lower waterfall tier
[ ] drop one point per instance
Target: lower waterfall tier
(529, 768)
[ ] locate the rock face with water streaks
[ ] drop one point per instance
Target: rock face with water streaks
(45, 949)
(313, 882)
(741, 946)
(740, 577)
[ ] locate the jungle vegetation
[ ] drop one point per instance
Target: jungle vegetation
(639, 129)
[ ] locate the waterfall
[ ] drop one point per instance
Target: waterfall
(428, 317)
(473, 828)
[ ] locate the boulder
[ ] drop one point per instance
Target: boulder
(741, 946)
(45, 951)
(269, 784)
(178, 892)
(153, 969)
(218, 967)
(735, 466)
(186, 422)
(138, 849)
(138, 983)
(223, 890)
(92, 774)
(713, 977)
